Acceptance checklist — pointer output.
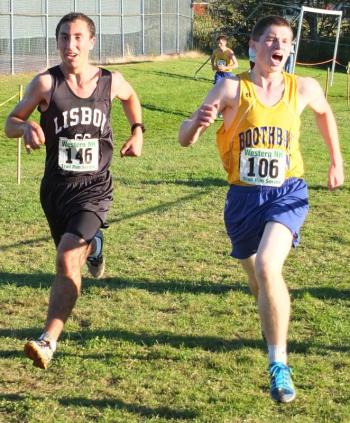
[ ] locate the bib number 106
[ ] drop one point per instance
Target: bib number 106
(263, 167)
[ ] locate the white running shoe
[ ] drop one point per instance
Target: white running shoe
(40, 351)
(96, 265)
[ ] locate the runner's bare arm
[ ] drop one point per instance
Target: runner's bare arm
(122, 90)
(311, 94)
(234, 64)
(212, 61)
(222, 96)
(17, 123)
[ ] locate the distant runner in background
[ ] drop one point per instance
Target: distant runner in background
(252, 56)
(291, 58)
(223, 60)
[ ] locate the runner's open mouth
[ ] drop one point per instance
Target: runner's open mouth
(278, 57)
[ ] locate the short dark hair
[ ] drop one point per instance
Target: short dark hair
(74, 16)
(263, 23)
(221, 37)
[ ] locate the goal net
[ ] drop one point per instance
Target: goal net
(318, 36)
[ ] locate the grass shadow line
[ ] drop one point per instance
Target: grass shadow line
(25, 243)
(154, 108)
(204, 182)
(11, 354)
(178, 76)
(215, 344)
(36, 280)
(141, 410)
(323, 293)
(12, 397)
(44, 281)
(206, 343)
(169, 286)
(159, 208)
(324, 188)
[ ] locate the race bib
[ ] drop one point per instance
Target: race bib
(78, 155)
(260, 166)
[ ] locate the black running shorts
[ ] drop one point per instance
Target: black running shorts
(77, 205)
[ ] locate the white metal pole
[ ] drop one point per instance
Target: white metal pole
(12, 41)
(178, 27)
(336, 48)
(323, 12)
(19, 143)
(122, 26)
(143, 25)
(161, 27)
(192, 17)
(298, 38)
(47, 31)
(99, 31)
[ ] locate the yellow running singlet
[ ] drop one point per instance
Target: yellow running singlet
(261, 147)
(223, 58)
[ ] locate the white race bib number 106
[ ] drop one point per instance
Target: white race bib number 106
(260, 166)
(78, 155)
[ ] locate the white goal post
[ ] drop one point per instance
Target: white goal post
(338, 13)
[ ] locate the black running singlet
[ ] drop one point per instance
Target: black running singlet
(77, 130)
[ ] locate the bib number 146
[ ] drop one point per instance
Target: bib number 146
(78, 155)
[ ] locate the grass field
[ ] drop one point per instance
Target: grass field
(172, 334)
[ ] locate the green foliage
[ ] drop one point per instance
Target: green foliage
(172, 334)
(204, 33)
(237, 18)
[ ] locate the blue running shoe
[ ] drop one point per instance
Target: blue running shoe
(282, 388)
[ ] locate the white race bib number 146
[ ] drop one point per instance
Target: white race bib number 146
(78, 155)
(260, 166)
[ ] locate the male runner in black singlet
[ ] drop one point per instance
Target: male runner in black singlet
(74, 99)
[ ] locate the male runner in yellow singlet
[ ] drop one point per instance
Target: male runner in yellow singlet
(223, 60)
(267, 200)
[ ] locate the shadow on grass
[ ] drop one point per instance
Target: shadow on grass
(11, 354)
(178, 76)
(25, 243)
(141, 410)
(44, 281)
(213, 344)
(206, 343)
(154, 108)
(204, 182)
(11, 397)
(159, 208)
(324, 188)
(322, 293)
(37, 280)
(170, 286)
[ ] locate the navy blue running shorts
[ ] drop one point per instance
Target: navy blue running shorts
(221, 75)
(248, 209)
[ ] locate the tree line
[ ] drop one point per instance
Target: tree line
(236, 18)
